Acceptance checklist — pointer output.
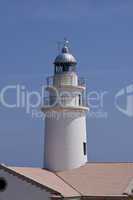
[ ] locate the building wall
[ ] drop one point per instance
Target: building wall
(18, 189)
(64, 138)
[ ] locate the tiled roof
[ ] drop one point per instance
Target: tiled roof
(92, 179)
(46, 178)
(22, 176)
(100, 179)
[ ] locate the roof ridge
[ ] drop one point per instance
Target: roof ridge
(68, 184)
(27, 179)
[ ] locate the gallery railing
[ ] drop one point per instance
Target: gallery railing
(81, 81)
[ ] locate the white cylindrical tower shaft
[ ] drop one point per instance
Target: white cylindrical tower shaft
(65, 121)
(65, 140)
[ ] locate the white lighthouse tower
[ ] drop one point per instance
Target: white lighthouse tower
(65, 120)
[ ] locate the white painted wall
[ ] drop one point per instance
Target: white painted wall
(65, 132)
(18, 189)
(65, 79)
(64, 137)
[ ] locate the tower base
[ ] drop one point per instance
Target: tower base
(65, 140)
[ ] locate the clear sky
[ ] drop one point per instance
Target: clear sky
(101, 37)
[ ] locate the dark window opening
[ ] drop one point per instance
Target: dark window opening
(79, 100)
(64, 68)
(3, 184)
(58, 69)
(85, 148)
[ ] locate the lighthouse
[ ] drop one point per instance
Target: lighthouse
(65, 111)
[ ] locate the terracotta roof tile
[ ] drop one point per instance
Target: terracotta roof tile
(46, 178)
(92, 179)
(100, 179)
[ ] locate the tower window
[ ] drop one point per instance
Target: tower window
(65, 68)
(79, 100)
(84, 148)
(58, 69)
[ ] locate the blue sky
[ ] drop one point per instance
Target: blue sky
(101, 38)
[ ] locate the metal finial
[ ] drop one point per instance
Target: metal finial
(64, 57)
(66, 42)
(65, 48)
